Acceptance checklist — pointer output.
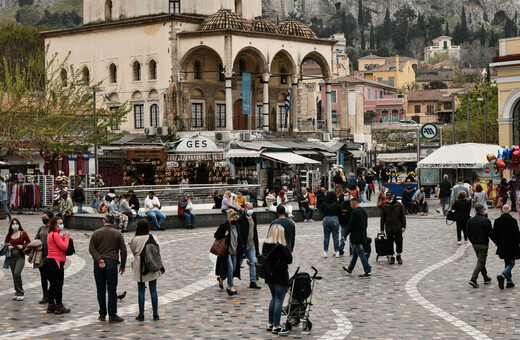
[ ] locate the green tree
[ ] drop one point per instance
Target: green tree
(482, 35)
(434, 27)
(403, 17)
(464, 31)
(387, 27)
(28, 16)
(372, 37)
(438, 57)
(22, 3)
(436, 85)
(361, 14)
(447, 29)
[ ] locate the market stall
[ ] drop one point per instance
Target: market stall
(284, 170)
(145, 166)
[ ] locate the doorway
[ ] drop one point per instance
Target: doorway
(239, 119)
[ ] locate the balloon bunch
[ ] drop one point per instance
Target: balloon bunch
(507, 159)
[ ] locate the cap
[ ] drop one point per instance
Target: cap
(389, 194)
(109, 218)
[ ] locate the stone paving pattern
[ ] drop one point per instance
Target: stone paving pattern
(193, 307)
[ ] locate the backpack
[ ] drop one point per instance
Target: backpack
(151, 260)
(264, 268)
(70, 249)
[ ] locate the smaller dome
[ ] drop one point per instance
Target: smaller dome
(296, 28)
(259, 24)
(224, 19)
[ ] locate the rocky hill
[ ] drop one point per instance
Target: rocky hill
(477, 11)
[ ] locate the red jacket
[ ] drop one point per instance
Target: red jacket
(57, 245)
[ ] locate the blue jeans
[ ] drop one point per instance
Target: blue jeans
(80, 207)
(231, 265)
(275, 306)
(141, 287)
(106, 278)
(310, 212)
(362, 196)
(330, 225)
(251, 256)
(359, 251)
(154, 215)
(341, 241)
(507, 271)
(4, 204)
(190, 218)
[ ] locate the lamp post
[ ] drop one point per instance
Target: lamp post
(448, 95)
(465, 93)
(485, 117)
(96, 90)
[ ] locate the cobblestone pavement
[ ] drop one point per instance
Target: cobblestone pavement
(428, 297)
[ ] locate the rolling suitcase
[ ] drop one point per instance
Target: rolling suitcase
(381, 246)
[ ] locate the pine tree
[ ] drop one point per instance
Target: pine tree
(361, 12)
(482, 35)
(447, 29)
(492, 39)
(372, 38)
(457, 38)
(387, 26)
(363, 42)
(464, 32)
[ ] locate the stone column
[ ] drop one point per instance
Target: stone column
(229, 103)
(294, 103)
(329, 106)
(265, 110)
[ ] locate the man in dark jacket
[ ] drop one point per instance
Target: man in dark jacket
(445, 194)
(408, 201)
(134, 201)
(288, 226)
(344, 220)
(506, 235)
(393, 221)
(303, 203)
(79, 196)
(479, 232)
(249, 232)
(362, 186)
(357, 228)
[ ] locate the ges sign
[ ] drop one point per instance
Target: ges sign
(197, 144)
(429, 131)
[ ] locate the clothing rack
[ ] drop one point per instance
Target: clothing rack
(46, 182)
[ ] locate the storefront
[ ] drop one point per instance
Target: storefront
(110, 166)
(246, 165)
(199, 160)
(145, 166)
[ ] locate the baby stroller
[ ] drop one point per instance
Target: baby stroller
(301, 287)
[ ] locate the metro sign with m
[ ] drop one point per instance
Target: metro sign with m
(429, 131)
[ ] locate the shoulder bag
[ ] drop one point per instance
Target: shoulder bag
(264, 269)
(450, 217)
(219, 247)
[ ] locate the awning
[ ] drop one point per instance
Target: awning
(288, 158)
(242, 153)
(357, 153)
(327, 154)
(459, 156)
(305, 152)
(397, 157)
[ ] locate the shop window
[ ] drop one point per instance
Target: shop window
(283, 76)
(136, 68)
(334, 95)
(139, 116)
(154, 115)
(221, 75)
(281, 116)
(417, 109)
(85, 75)
(197, 70)
(221, 115)
(334, 117)
(152, 70)
(117, 125)
(196, 115)
(175, 6)
(259, 116)
(113, 73)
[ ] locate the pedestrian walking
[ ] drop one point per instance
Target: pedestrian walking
(137, 247)
(457, 188)
(369, 178)
(18, 240)
(108, 250)
(393, 221)
(351, 180)
(288, 226)
(506, 235)
(3, 198)
(444, 194)
(339, 182)
(381, 197)
(503, 191)
(79, 196)
(462, 209)
(362, 189)
(331, 210)
(320, 197)
(344, 219)
(304, 205)
(152, 206)
(279, 257)
(185, 209)
(479, 232)
(249, 233)
(227, 264)
(41, 235)
(55, 264)
(357, 228)
(480, 196)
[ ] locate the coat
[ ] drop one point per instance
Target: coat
(136, 247)
(445, 189)
(221, 267)
(34, 253)
(244, 231)
(462, 208)
(393, 217)
(506, 235)
(357, 228)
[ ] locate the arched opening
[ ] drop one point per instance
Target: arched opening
(238, 7)
(108, 10)
(154, 115)
(516, 124)
(221, 75)
(136, 71)
(85, 75)
(197, 70)
(113, 73)
(283, 76)
(152, 70)
(206, 61)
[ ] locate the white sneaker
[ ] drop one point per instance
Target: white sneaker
(459, 243)
(336, 254)
(325, 254)
(19, 298)
(15, 297)
(311, 220)
(305, 220)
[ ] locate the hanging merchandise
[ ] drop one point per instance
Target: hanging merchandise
(24, 196)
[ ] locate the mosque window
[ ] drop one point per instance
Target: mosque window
(175, 6)
(108, 10)
(197, 70)
(113, 73)
(152, 70)
(137, 70)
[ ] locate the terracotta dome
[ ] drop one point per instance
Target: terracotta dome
(260, 24)
(296, 28)
(224, 19)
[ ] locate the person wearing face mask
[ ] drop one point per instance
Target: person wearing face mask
(18, 240)
(393, 221)
(344, 219)
(249, 233)
(41, 235)
(227, 265)
(240, 199)
(55, 264)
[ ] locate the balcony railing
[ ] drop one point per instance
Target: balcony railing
(200, 124)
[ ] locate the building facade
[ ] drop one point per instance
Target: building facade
(398, 72)
(442, 44)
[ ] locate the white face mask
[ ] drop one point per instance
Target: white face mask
(61, 227)
(15, 227)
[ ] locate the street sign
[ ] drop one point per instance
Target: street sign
(429, 131)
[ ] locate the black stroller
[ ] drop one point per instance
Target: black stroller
(301, 287)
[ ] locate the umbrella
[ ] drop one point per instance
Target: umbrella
(459, 156)
(65, 166)
(80, 163)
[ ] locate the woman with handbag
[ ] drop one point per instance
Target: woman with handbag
(462, 209)
(18, 240)
(142, 235)
(55, 264)
(279, 258)
(228, 240)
